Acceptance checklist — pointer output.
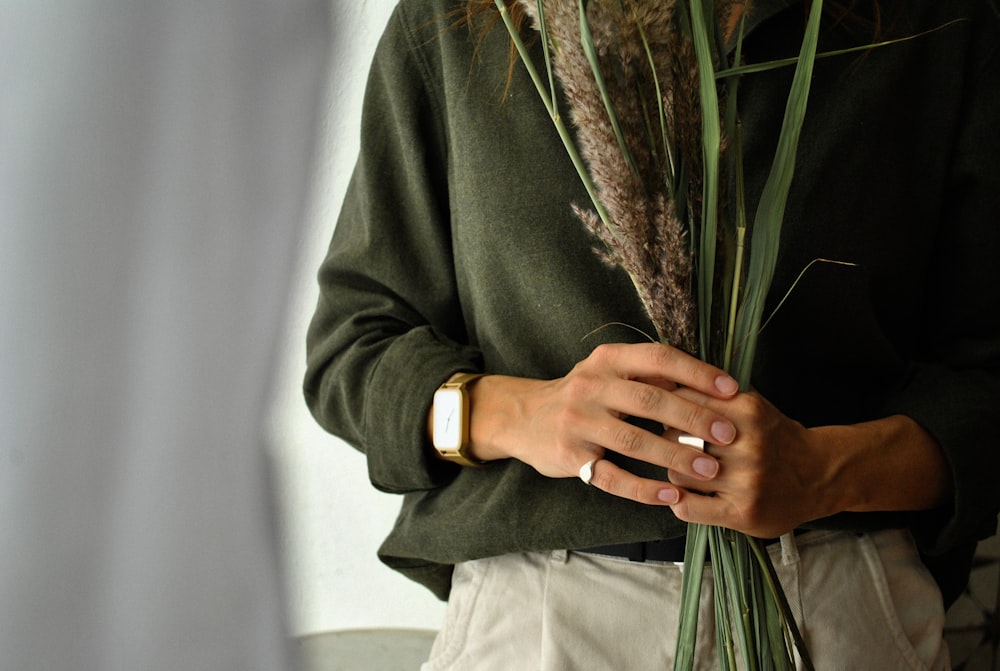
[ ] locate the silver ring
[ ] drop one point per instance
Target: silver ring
(692, 441)
(587, 471)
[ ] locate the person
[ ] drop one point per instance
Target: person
(460, 280)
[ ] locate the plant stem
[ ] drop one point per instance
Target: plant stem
(550, 106)
(664, 134)
(587, 41)
(782, 602)
(711, 149)
(741, 234)
(564, 134)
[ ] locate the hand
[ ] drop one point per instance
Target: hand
(773, 477)
(777, 474)
(557, 426)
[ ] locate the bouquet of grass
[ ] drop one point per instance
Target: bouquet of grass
(653, 87)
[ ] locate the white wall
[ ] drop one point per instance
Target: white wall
(334, 519)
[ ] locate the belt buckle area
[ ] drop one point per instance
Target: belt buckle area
(665, 550)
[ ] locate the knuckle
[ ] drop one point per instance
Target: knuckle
(663, 356)
(613, 482)
(603, 354)
(564, 420)
(695, 418)
(563, 452)
(582, 384)
(682, 511)
(672, 459)
(604, 479)
(756, 408)
(629, 441)
(646, 398)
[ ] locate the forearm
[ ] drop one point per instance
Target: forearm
(890, 464)
(778, 474)
(556, 426)
(496, 403)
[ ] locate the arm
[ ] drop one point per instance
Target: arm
(778, 474)
(388, 324)
(954, 389)
(933, 442)
(556, 426)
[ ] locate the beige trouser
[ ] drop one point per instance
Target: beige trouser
(863, 602)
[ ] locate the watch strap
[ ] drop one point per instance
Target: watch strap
(461, 381)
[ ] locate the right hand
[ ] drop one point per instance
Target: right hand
(557, 426)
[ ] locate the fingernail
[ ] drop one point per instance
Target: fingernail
(704, 467)
(723, 432)
(727, 385)
(668, 496)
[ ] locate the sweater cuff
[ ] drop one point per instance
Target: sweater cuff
(957, 409)
(398, 400)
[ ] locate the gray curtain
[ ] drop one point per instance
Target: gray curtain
(154, 166)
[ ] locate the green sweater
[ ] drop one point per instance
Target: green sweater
(456, 249)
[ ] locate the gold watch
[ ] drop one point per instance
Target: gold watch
(450, 424)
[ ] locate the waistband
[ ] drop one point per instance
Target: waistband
(664, 550)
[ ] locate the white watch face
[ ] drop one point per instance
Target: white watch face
(448, 419)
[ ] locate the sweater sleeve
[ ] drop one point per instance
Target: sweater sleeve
(388, 327)
(953, 389)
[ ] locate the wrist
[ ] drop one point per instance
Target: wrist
(496, 408)
(506, 416)
(496, 403)
(843, 484)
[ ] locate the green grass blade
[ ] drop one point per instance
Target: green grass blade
(770, 210)
(668, 153)
(749, 608)
(544, 32)
(796, 283)
(739, 622)
(780, 601)
(736, 284)
(550, 106)
(711, 149)
(587, 39)
(732, 83)
(545, 95)
(751, 68)
(723, 599)
(694, 567)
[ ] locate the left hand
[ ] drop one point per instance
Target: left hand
(774, 476)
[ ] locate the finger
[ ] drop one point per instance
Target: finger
(673, 409)
(617, 435)
(722, 512)
(698, 485)
(614, 480)
(709, 510)
(653, 361)
(697, 397)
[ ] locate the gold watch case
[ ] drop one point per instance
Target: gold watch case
(450, 423)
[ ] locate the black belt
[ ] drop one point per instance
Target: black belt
(670, 549)
(667, 550)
